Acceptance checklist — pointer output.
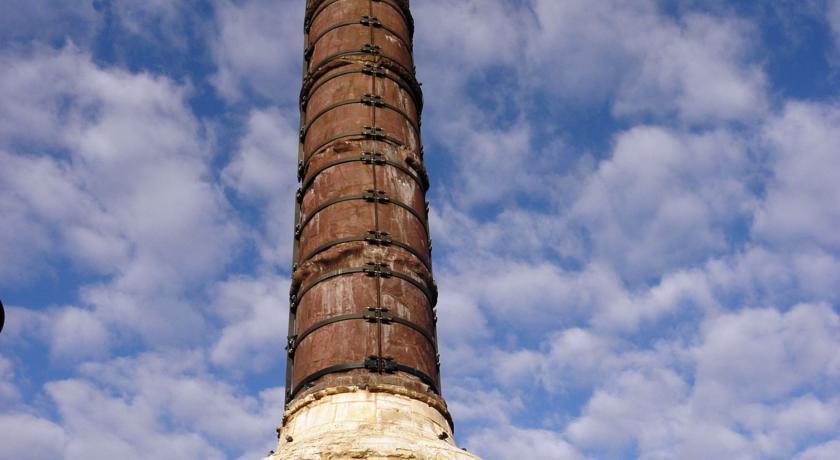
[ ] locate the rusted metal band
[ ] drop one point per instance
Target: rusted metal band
(372, 237)
(366, 50)
(305, 129)
(302, 225)
(373, 315)
(374, 364)
(415, 124)
(363, 21)
(368, 133)
(401, 9)
(312, 83)
(367, 158)
(375, 101)
(372, 269)
(373, 196)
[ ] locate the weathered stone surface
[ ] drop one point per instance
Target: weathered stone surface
(352, 423)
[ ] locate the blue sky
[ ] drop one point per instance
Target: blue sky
(634, 207)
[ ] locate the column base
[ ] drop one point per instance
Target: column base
(356, 423)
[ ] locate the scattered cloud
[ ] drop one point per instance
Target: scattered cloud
(634, 228)
(252, 309)
(247, 33)
(264, 171)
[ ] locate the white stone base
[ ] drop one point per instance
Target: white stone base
(360, 424)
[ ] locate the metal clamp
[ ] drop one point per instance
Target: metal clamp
(376, 196)
(373, 132)
(381, 364)
(293, 301)
(371, 49)
(378, 315)
(377, 237)
(376, 101)
(373, 69)
(377, 270)
(374, 158)
(370, 21)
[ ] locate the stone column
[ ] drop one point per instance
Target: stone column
(363, 369)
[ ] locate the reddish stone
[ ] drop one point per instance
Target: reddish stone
(360, 119)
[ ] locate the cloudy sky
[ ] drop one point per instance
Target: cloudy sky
(635, 209)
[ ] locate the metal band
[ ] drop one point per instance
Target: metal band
(415, 125)
(374, 196)
(373, 315)
(367, 132)
(364, 21)
(305, 129)
(372, 269)
(366, 50)
(374, 364)
(326, 204)
(373, 237)
(403, 11)
(375, 101)
(367, 158)
(406, 82)
(296, 295)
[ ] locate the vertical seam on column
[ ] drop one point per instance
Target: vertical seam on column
(379, 331)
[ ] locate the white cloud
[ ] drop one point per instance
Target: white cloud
(828, 451)
(800, 209)
(265, 162)
(75, 333)
(761, 354)
(539, 297)
(740, 401)
(483, 406)
(104, 427)
(161, 406)
(507, 442)
(255, 310)
(664, 199)
(27, 437)
(264, 170)
(576, 358)
(110, 171)
(697, 67)
(630, 410)
(749, 384)
(130, 170)
(8, 391)
(154, 19)
(258, 49)
(460, 318)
